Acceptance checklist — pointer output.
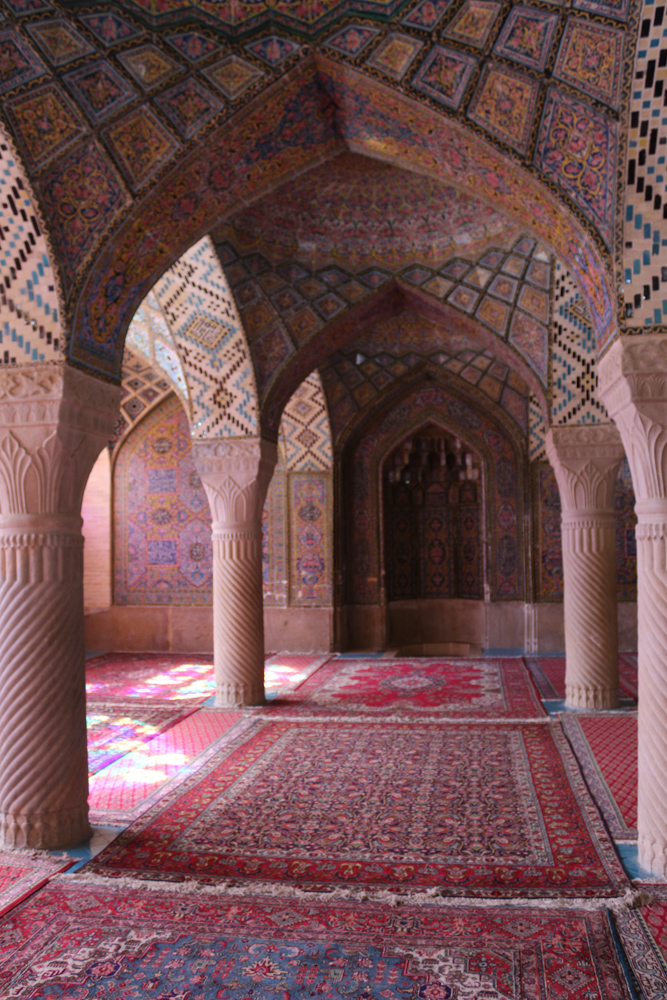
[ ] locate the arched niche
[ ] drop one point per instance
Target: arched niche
(369, 618)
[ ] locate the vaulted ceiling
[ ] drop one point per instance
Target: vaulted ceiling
(145, 125)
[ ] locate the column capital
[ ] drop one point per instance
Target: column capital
(585, 459)
(632, 379)
(54, 421)
(236, 473)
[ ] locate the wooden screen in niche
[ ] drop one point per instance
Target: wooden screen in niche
(433, 518)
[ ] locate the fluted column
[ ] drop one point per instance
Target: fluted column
(633, 385)
(236, 474)
(585, 460)
(54, 421)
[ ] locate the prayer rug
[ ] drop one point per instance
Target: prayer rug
(123, 677)
(472, 809)
(643, 934)
(115, 729)
(129, 786)
(549, 675)
(606, 747)
(461, 688)
(21, 873)
(89, 940)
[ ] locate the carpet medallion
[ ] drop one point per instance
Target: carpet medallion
(86, 941)
(606, 748)
(115, 729)
(477, 809)
(484, 688)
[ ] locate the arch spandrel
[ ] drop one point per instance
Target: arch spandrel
(311, 115)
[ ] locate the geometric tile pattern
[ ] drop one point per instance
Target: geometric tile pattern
(201, 315)
(149, 338)
(526, 36)
(18, 63)
(591, 58)
(189, 106)
(361, 371)
(305, 430)
(473, 24)
(504, 104)
(645, 210)
(537, 431)
(143, 387)
(30, 327)
(149, 66)
(233, 76)
(99, 89)
(60, 41)
(395, 55)
(444, 75)
(141, 145)
(45, 124)
(109, 28)
(574, 397)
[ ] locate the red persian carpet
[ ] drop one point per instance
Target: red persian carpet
(123, 677)
(643, 934)
(115, 729)
(21, 874)
(480, 689)
(84, 941)
(606, 747)
(129, 786)
(549, 675)
(480, 810)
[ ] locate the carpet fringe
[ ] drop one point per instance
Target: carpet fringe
(631, 899)
(35, 855)
(366, 719)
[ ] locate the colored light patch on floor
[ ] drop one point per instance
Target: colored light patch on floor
(115, 729)
(549, 675)
(182, 945)
(606, 748)
(470, 809)
(21, 874)
(284, 673)
(164, 677)
(124, 789)
(484, 688)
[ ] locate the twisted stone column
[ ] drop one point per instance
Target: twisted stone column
(236, 474)
(54, 420)
(585, 460)
(633, 385)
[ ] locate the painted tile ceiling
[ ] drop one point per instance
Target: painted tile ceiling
(108, 103)
(361, 212)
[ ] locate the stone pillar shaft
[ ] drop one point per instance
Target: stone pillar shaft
(633, 385)
(236, 474)
(53, 423)
(585, 460)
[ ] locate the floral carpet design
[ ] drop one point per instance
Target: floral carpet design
(469, 809)
(643, 934)
(606, 747)
(484, 688)
(82, 941)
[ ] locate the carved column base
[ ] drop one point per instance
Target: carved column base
(48, 831)
(577, 696)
